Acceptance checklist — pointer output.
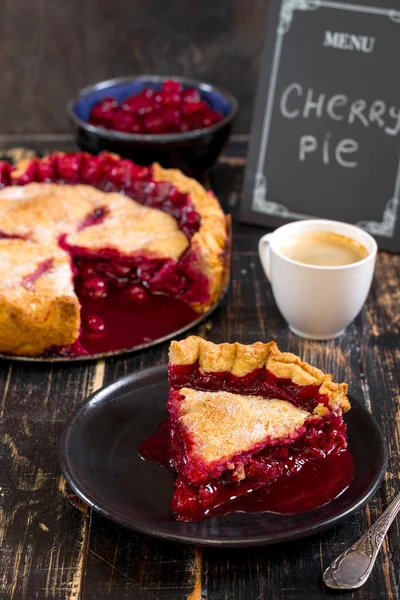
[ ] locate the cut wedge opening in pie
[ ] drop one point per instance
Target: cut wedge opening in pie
(245, 417)
(92, 248)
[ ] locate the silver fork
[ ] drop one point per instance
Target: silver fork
(352, 568)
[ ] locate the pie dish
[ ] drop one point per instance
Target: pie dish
(76, 229)
(241, 417)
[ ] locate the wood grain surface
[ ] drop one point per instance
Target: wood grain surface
(50, 50)
(52, 547)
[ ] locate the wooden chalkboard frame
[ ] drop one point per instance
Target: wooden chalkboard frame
(256, 207)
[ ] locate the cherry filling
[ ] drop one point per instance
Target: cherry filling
(125, 301)
(97, 272)
(94, 218)
(259, 382)
(128, 301)
(10, 236)
(289, 476)
(168, 110)
(43, 267)
(288, 490)
(120, 320)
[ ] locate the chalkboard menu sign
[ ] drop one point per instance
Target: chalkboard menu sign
(326, 129)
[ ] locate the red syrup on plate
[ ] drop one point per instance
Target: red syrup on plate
(316, 483)
(127, 324)
(155, 448)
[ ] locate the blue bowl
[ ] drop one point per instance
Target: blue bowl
(193, 151)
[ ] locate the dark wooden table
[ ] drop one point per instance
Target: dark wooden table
(53, 547)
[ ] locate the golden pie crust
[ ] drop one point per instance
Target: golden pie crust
(212, 241)
(41, 313)
(47, 314)
(240, 360)
(222, 425)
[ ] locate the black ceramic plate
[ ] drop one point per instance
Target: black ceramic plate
(101, 464)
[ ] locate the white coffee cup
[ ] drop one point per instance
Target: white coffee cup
(317, 302)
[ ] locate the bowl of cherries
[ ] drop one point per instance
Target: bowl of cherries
(176, 121)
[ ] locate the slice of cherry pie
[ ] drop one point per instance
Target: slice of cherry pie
(82, 237)
(242, 417)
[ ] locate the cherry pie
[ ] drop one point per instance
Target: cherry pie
(242, 417)
(82, 235)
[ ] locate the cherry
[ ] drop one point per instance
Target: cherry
(103, 111)
(171, 86)
(5, 171)
(190, 108)
(158, 190)
(91, 170)
(124, 121)
(191, 95)
(30, 173)
(148, 93)
(142, 173)
(121, 270)
(136, 294)
(45, 169)
(177, 198)
(86, 271)
(95, 323)
(93, 218)
(157, 98)
(172, 117)
(171, 99)
(132, 104)
(94, 287)
(154, 125)
(146, 271)
(106, 162)
(210, 117)
(189, 221)
(192, 219)
(145, 110)
(122, 173)
(68, 166)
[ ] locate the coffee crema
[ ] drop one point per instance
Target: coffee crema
(324, 249)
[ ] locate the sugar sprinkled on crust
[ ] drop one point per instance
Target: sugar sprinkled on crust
(44, 312)
(222, 425)
(240, 360)
(43, 211)
(21, 258)
(140, 228)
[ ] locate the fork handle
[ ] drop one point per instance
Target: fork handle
(352, 568)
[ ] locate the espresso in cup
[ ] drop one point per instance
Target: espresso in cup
(323, 249)
(320, 272)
